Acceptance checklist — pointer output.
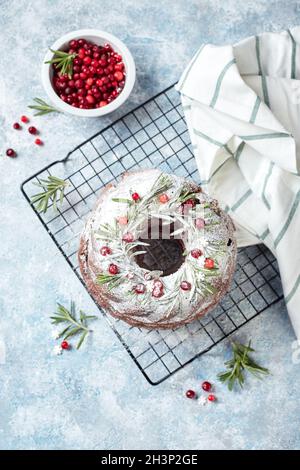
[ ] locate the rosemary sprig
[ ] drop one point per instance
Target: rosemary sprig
(75, 326)
(240, 363)
(110, 281)
(42, 107)
(53, 191)
(63, 61)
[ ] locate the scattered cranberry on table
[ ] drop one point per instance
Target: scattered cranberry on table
(190, 394)
(98, 75)
(206, 386)
(32, 130)
(11, 153)
(212, 398)
(24, 119)
(65, 345)
(16, 126)
(38, 142)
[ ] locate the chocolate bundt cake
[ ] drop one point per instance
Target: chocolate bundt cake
(156, 251)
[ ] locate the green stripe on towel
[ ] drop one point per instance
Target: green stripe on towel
(265, 234)
(219, 82)
(239, 151)
(272, 135)
(255, 110)
(293, 290)
(271, 166)
(257, 49)
(289, 220)
(293, 56)
(265, 90)
(241, 200)
(213, 141)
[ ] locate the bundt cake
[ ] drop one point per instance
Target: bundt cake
(156, 251)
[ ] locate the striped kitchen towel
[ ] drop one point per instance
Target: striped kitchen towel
(242, 107)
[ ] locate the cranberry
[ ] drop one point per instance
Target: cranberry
(119, 67)
(11, 153)
(87, 60)
(90, 99)
(102, 103)
(135, 196)
(140, 289)
(117, 57)
(105, 250)
(90, 81)
(118, 76)
(24, 119)
(190, 394)
(16, 126)
(68, 91)
(65, 345)
(73, 44)
(209, 263)
(158, 289)
(206, 386)
(163, 198)
(81, 42)
(38, 142)
(128, 237)
(103, 62)
(196, 253)
(32, 130)
(113, 269)
(83, 75)
(212, 397)
(77, 61)
(185, 285)
(78, 83)
(200, 223)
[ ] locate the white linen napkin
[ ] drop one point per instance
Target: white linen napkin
(242, 107)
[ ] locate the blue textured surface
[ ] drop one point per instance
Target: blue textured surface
(96, 398)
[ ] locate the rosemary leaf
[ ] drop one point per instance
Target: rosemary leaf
(75, 325)
(53, 189)
(241, 362)
(42, 107)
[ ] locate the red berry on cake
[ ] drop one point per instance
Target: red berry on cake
(65, 345)
(212, 398)
(200, 223)
(140, 289)
(206, 386)
(190, 202)
(105, 250)
(163, 198)
(128, 237)
(209, 263)
(185, 285)
(158, 289)
(113, 269)
(196, 253)
(190, 394)
(123, 220)
(135, 196)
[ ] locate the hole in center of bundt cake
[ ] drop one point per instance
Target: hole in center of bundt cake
(161, 255)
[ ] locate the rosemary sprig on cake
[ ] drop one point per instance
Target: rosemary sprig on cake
(76, 326)
(52, 192)
(63, 61)
(240, 363)
(42, 107)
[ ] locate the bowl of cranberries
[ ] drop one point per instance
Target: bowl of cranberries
(88, 73)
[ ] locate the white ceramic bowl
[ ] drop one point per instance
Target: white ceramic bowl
(99, 38)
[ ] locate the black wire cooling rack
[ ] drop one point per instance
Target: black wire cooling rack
(153, 135)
